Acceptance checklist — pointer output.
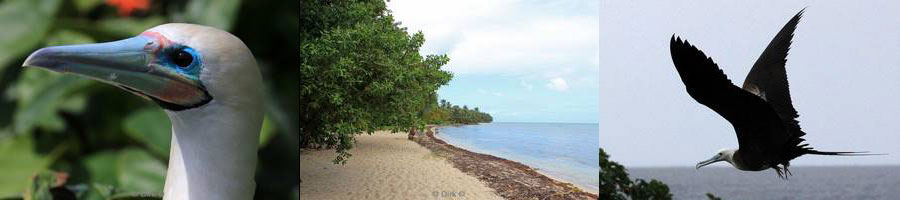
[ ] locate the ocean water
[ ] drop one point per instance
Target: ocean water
(565, 151)
(863, 182)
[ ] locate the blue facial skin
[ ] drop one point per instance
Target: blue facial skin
(192, 71)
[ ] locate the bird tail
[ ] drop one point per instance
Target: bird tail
(843, 153)
(806, 149)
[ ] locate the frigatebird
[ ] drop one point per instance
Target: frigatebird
(209, 84)
(761, 111)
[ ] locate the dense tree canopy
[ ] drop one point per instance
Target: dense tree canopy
(447, 113)
(360, 71)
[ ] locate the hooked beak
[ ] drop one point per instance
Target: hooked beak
(712, 160)
(131, 64)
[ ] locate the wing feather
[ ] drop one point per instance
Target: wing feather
(768, 78)
(707, 84)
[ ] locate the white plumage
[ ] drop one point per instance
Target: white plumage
(211, 88)
(213, 153)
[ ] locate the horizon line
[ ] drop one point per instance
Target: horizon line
(804, 165)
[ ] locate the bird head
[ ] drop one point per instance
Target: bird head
(722, 155)
(178, 66)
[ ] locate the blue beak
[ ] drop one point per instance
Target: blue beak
(133, 64)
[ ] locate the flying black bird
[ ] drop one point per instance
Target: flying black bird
(760, 112)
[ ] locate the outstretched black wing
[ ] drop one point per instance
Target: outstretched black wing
(755, 122)
(768, 78)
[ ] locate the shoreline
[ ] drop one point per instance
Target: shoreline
(510, 179)
(538, 170)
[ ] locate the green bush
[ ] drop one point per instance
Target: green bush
(615, 183)
(360, 71)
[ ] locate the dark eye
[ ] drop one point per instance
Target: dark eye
(182, 58)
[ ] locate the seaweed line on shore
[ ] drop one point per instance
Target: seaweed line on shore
(510, 179)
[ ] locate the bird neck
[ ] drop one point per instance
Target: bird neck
(213, 153)
(734, 157)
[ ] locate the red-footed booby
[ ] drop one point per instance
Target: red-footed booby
(761, 111)
(210, 87)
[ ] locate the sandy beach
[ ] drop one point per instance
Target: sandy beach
(386, 166)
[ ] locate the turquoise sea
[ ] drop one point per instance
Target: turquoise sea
(564, 151)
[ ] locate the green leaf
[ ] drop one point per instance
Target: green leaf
(137, 196)
(40, 93)
(78, 190)
(74, 103)
(267, 132)
(128, 27)
(51, 122)
(83, 6)
(19, 197)
(215, 13)
(150, 126)
(24, 22)
(101, 167)
(19, 163)
(138, 171)
(68, 37)
(99, 192)
(40, 186)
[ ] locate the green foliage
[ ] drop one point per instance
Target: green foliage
(115, 175)
(102, 167)
(114, 145)
(710, 196)
(19, 163)
(649, 190)
(215, 13)
(615, 183)
(151, 127)
(359, 72)
(137, 171)
(137, 196)
(24, 22)
(447, 113)
(83, 6)
(41, 185)
(48, 185)
(40, 94)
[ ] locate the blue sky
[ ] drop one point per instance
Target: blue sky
(843, 68)
(520, 61)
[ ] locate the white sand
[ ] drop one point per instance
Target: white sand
(386, 166)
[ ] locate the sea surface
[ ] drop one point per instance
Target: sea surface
(808, 182)
(565, 151)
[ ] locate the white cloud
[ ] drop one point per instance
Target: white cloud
(508, 37)
(526, 85)
(533, 46)
(441, 21)
(558, 84)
